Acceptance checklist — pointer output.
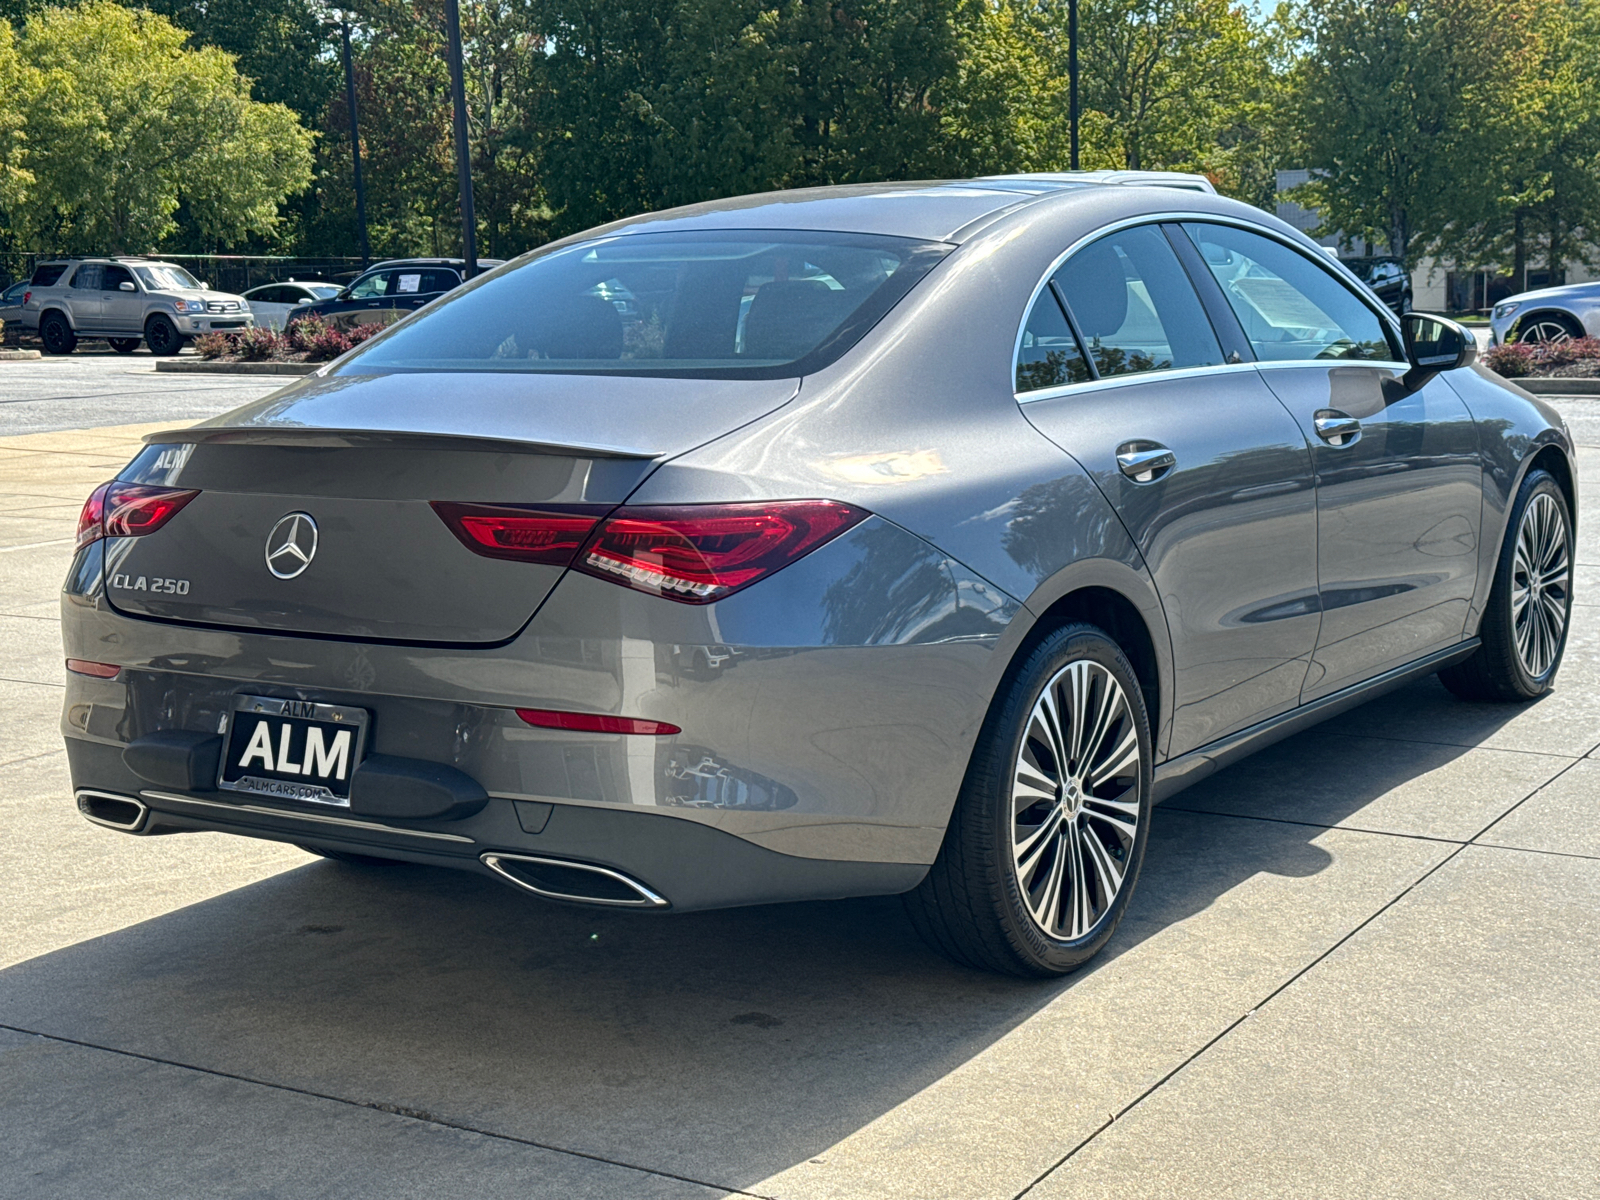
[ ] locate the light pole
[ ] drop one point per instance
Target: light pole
(355, 141)
(1072, 76)
(458, 96)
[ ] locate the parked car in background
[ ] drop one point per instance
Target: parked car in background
(1387, 277)
(125, 301)
(1556, 314)
(273, 303)
(1011, 500)
(11, 304)
(393, 289)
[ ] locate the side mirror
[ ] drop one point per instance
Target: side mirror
(1435, 344)
(204, 286)
(125, 286)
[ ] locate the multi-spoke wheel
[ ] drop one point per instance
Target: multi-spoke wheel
(1075, 796)
(1524, 627)
(1045, 843)
(1547, 327)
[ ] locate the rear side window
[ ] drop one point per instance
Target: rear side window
(1135, 307)
(87, 277)
(1291, 308)
(422, 281)
(723, 304)
(1049, 355)
(46, 276)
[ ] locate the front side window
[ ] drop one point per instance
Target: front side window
(717, 304)
(1291, 309)
(369, 287)
(112, 278)
(1135, 307)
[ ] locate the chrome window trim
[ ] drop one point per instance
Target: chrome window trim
(1343, 274)
(1131, 377)
(318, 818)
(1286, 363)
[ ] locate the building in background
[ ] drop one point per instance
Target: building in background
(1436, 286)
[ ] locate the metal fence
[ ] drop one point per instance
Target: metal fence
(224, 272)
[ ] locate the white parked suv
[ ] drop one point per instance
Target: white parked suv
(125, 301)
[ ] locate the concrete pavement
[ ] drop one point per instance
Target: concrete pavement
(1359, 964)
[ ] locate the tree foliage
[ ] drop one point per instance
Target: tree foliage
(126, 124)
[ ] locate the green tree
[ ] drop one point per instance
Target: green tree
(19, 84)
(129, 124)
(1405, 107)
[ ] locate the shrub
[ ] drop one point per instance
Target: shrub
(1512, 361)
(303, 331)
(357, 334)
(329, 343)
(214, 345)
(260, 344)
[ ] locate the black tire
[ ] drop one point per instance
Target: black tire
(347, 856)
(124, 345)
(975, 905)
(1500, 670)
(1540, 327)
(162, 336)
(56, 334)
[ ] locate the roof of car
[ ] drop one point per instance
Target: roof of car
(433, 262)
(938, 210)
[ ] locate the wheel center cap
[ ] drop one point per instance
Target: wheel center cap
(1072, 797)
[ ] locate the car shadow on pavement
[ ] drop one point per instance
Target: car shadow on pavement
(724, 1046)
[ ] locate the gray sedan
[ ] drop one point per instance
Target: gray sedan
(1003, 507)
(1556, 314)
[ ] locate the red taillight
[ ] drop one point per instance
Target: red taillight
(100, 670)
(128, 510)
(545, 718)
(89, 520)
(526, 534)
(700, 553)
(692, 553)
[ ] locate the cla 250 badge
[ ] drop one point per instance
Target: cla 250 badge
(141, 583)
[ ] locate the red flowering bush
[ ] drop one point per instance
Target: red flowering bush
(260, 344)
(303, 331)
(214, 345)
(357, 334)
(329, 343)
(1520, 359)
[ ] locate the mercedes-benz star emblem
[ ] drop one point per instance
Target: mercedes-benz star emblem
(291, 545)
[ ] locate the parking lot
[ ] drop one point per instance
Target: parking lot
(1360, 964)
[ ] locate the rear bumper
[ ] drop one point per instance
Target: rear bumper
(826, 716)
(687, 865)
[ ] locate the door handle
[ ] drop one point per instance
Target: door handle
(1145, 462)
(1337, 428)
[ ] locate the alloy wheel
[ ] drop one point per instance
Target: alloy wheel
(1546, 329)
(1540, 585)
(1075, 800)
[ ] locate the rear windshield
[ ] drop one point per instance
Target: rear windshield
(714, 305)
(46, 276)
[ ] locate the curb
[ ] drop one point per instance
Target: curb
(205, 367)
(1559, 387)
(19, 355)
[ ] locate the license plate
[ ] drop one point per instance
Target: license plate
(293, 749)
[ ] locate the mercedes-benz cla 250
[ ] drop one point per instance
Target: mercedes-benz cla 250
(897, 539)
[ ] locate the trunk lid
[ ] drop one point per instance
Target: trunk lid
(360, 459)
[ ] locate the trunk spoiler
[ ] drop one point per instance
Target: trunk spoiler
(258, 435)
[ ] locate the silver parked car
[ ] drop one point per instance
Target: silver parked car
(125, 301)
(273, 304)
(1556, 314)
(1006, 507)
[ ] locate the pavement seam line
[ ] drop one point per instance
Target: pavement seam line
(1281, 988)
(392, 1110)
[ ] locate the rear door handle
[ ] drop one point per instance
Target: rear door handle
(1145, 462)
(1337, 428)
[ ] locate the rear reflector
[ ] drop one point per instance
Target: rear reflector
(525, 534)
(82, 666)
(545, 718)
(118, 509)
(692, 553)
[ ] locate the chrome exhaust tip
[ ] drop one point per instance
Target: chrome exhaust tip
(563, 879)
(122, 813)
